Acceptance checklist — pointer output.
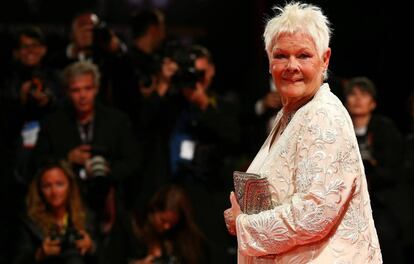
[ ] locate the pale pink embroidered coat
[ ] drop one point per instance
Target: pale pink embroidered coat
(322, 209)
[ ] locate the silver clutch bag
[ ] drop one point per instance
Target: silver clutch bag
(252, 192)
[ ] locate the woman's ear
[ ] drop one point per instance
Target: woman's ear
(326, 56)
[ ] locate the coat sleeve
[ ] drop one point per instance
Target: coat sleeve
(325, 174)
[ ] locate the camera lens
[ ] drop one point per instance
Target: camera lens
(98, 166)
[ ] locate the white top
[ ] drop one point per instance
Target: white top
(322, 209)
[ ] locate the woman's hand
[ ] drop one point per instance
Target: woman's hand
(26, 90)
(49, 248)
(85, 244)
(154, 252)
(231, 214)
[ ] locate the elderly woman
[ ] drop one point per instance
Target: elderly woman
(322, 211)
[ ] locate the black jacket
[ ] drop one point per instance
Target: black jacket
(112, 135)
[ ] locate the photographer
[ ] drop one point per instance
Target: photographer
(109, 53)
(206, 127)
(30, 91)
(148, 28)
(203, 141)
(55, 229)
(91, 39)
(97, 140)
(146, 101)
(168, 231)
(80, 43)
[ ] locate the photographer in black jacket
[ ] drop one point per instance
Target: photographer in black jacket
(205, 130)
(203, 141)
(28, 92)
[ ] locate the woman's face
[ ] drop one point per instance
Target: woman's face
(296, 66)
(163, 221)
(31, 51)
(360, 102)
(55, 188)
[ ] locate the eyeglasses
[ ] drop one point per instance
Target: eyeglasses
(31, 46)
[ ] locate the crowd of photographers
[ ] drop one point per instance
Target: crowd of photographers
(91, 132)
(116, 152)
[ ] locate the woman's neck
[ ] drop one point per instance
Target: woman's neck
(290, 105)
(361, 121)
(59, 214)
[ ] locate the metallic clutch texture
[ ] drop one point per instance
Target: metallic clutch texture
(252, 192)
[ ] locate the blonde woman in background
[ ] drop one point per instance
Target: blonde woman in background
(55, 227)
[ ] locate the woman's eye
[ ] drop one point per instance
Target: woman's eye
(279, 56)
(304, 56)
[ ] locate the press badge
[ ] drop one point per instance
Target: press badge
(187, 149)
(29, 133)
(82, 174)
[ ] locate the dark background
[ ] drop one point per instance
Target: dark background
(368, 39)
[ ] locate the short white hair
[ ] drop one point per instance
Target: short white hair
(298, 17)
(81, 68)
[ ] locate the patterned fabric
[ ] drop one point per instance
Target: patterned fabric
(323, 212)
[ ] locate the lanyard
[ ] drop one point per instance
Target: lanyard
(86, 132)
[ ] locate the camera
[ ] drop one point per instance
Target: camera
(187, 74)
(68, 239)
(98, 182)
(98, 166)
(69, 253)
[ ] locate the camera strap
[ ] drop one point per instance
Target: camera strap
(86, 132)
(86, 136)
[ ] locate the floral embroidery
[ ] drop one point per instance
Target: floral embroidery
(353, 224)
(322, 212)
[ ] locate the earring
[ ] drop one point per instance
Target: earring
(325, 74)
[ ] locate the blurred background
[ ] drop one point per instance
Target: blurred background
(369, 38)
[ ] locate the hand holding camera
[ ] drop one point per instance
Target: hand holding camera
(34, 89)
(84, 244)
(49, 248)
(71, 245)
(92, 157)
(80, 154)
